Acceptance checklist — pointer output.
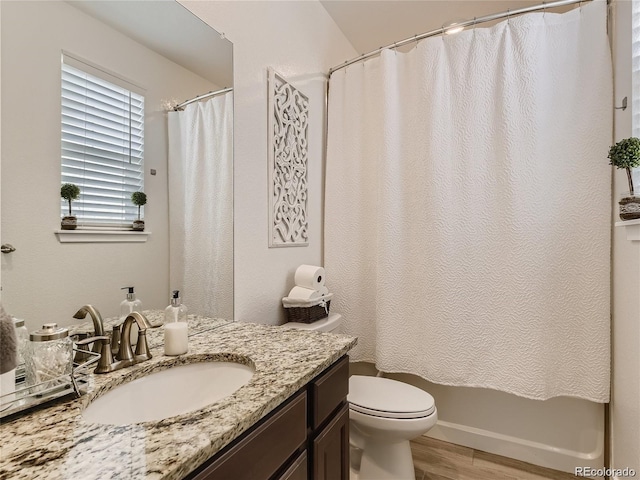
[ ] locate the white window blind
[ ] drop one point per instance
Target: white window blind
(635, 65)
(102, 145)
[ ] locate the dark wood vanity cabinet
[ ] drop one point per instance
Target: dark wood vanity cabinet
(305, 438)
(331, 449)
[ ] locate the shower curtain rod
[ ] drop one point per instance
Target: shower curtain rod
(467, 23)
(201, 97)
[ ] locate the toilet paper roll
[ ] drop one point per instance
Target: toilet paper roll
(323, 291)
(301, 293)
(309, 276)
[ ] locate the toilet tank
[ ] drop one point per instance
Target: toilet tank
(329, 324)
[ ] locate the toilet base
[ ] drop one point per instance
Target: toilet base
(385, 461)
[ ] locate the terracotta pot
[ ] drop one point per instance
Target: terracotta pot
(69, 222)
(138, 225)
(629, 208)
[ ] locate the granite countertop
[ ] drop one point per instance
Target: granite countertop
(56, 443)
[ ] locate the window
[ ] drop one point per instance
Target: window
(102, 144)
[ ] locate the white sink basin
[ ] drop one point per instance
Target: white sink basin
(175, 391)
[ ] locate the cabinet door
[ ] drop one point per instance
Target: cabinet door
(331, 449)
(264, 450)
(328, 391)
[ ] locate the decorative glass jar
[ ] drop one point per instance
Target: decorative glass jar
(48, 357)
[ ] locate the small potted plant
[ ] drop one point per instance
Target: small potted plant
(139, 199)
(626, 154)
(69, 192)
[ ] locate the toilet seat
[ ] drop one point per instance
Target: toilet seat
(386, 398)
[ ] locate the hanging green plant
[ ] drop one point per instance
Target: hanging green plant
(139, 199)
(626, 154)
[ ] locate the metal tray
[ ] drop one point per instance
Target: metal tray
(30, 396)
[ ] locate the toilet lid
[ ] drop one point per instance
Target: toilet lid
(383, 397)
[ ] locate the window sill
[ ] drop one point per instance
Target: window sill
(101, 236)
(632, 228)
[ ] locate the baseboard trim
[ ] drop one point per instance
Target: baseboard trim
(520, 449)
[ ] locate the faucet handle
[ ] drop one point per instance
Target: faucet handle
(105, 364)
(115, 339)
(142, 348)
(81, 356)
(87, 341)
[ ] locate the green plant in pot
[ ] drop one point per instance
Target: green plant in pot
(139, 199)
(626, 154)
(69, 192)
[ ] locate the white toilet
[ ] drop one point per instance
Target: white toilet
(384, 416)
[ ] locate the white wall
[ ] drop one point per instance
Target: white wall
(625, 396)
(301, 42)
(45, 281)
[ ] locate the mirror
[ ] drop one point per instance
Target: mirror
(174, 56)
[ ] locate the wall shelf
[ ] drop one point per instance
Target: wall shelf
(101, 236)
(632, 227)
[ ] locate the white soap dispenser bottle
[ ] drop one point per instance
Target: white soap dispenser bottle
(176, 311)
(176, 331)
(128, 305)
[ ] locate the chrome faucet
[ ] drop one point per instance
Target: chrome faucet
(124, 354)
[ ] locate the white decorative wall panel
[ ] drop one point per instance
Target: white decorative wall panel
(288, 152)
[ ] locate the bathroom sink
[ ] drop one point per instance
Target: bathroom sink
(167, 393)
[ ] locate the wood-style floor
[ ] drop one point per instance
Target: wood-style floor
(438, 460)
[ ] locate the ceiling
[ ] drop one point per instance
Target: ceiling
(171, 30)
(370, 24)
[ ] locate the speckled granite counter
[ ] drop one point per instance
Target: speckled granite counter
(56, 443)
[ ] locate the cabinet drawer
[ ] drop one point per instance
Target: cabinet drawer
(297, 471)
(328, 391)
(263, 451)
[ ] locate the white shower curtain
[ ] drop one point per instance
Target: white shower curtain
(467, 215)
(201, 206)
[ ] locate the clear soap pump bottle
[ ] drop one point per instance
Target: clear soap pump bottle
(176, 312)
(128, 305)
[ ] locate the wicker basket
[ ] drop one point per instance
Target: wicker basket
(311, 312)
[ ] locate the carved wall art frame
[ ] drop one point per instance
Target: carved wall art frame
(288, 133)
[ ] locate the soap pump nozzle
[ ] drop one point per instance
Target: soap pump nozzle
(131, 295)
(175, 298)
(176, 311)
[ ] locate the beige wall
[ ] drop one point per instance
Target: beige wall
(45, 280)
(300, 41)
(625, 395)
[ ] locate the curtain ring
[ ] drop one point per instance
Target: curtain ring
(544, 9)
(508, 15)
(473, 27)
